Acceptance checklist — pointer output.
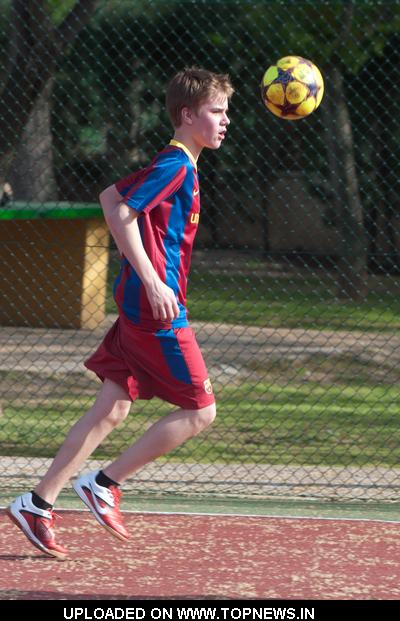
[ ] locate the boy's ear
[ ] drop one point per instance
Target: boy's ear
(187, 116)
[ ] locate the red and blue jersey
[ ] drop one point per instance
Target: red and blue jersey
(166, 194)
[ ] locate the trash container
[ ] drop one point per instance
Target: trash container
(54, 259)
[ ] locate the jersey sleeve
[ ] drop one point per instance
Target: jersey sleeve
(146, 189)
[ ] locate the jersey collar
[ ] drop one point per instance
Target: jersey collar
(175, 143)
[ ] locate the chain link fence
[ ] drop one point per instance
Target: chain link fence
(294, 288)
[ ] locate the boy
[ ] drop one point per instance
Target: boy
(151, 350)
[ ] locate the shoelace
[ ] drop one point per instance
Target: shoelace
(116, 493)
(51, 543)
(54, 516)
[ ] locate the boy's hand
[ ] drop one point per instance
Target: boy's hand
(162, 301)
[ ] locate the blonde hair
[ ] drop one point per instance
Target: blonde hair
(193, 86)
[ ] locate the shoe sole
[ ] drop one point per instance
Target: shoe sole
(79, 490)
(27, 534)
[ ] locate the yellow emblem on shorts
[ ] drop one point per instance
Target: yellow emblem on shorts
(208, 386)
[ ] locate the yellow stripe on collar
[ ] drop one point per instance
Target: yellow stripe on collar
(175, 143)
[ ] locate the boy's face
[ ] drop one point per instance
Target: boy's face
(209, 124)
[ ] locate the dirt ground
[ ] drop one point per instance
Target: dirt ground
(229, 350)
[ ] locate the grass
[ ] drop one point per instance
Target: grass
(263, 423)
(332, 410)
(289, 303)
(300, 299)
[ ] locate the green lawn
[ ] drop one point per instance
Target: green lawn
(301, 300)
(289, 303)
(264, 423)
(286, 415)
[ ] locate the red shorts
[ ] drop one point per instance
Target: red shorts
(167, 364)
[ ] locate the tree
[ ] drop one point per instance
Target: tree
(352, 263)
(340, 36)
(36, 43)
(31, 173)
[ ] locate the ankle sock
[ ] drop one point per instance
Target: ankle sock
(105, 481)
(40, 503)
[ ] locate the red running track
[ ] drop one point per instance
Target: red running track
(206, 557)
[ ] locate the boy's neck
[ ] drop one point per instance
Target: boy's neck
(194, 148)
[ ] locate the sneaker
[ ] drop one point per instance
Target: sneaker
(36, 524)
(103, 503)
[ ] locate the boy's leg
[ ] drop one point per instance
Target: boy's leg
(167, 363)
(165, 435)
(110, 408)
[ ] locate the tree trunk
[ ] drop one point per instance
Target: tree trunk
(352, 251)
(352, 263)
(35, 46)
(32, 174)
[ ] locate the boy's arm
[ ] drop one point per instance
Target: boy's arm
(122, 222)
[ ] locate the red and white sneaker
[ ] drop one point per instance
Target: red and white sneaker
(36, 524)
(103, 503)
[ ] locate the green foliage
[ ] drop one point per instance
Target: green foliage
(59, 9)
(114, 78)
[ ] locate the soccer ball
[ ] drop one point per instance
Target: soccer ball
(292, 88)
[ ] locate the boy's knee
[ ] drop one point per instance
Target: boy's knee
(204, 417)
(118, 413)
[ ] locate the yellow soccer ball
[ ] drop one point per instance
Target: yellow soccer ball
(292, 88)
